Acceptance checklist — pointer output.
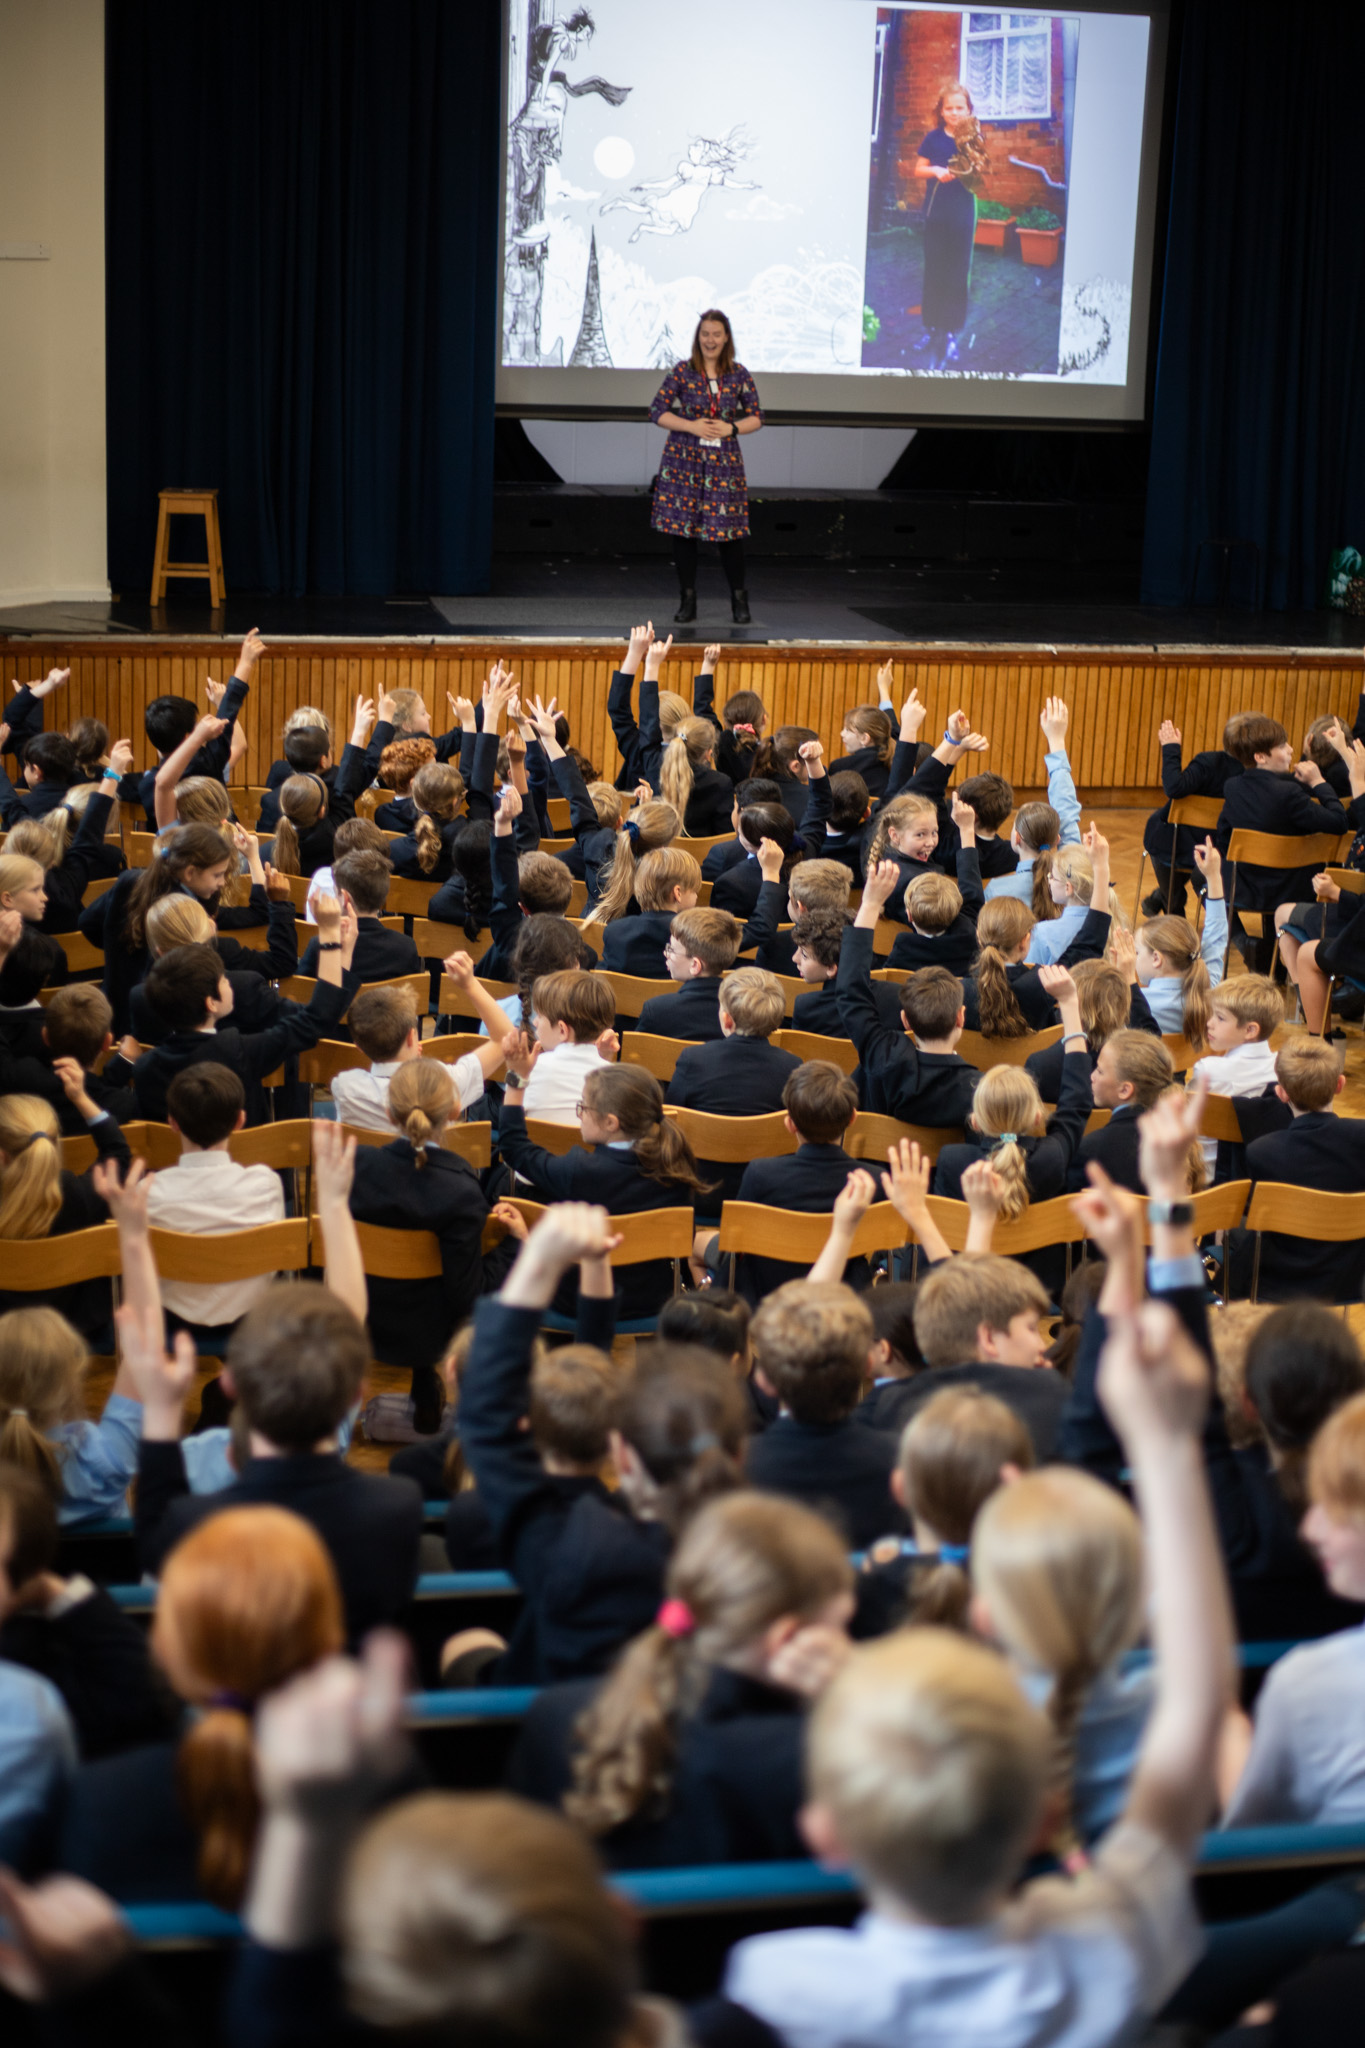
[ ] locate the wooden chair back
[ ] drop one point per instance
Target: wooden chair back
(299, 988)
(633, 991)
(408, 898)
(203, 1256)
(257, 936)
(389, 1254)
(699, 848)
(557, 810)
(1285, 850)
(436, 940)
(1350, 879)
(553, 1137)
(734, 1140)
(1220, 1120)
(646, 1234)
(593, 935)
(884, 935)
(1202, 813)
(98, 887)
(657, 1055)
(1217, 1208)
(1183, 1053)
(1301, 1212)
(470, 1142)
(799, 1239)
(81, 956)
(1042, 1224)
(578, 899)
(871, 1137)
(812, 1045)
(33, 1263)
(452, 999)
(985, 1053)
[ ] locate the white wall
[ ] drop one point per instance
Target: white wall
(810, 458)
(52, 500)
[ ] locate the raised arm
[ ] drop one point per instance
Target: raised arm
(1061, 790)
(333, 1173)
(176, 766)
(501, 1029)
(851, 1204)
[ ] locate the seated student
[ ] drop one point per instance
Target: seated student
(812, 885)
(782, 760)
(1306, 1764)
(1273, 795)
(413, 1184)
(850, 812)
(1043, 827)
(67, 861)
(426, 854)
(919, 1080)
(816, 937)
(305, 833)
(741, 722)
(718, 1321)
(1078, 878)
(632, 1158)
(30, 960)
(666, 882)
(1242, 1018)
(896, 1355)
(943, 1849)
(192, 995)
(905, 834)
(955, 1452)
(811, 1345)
(39, 1750)
(1178, 967)
(168, 720)
(71, 1633)
(942, 932)
(295, 1366)
(1110, 1000)
(247, 1601)
(691, 782)
(976, 1322)
(750, 794)
(48, 772)
(1002, 995)
(740, 1073)
(703, 946)
(379, 953)
(77, 1028)
(1208, 774)
(518, 886)
(182, 920)
(399, 763)
(1132, 1070)
(387, 1029)
(590, 1564)
(868, 732)
(85, 1466)
(1057, 1569)
(1319, 1150)
(360, 835)
(89, 739)
(573, 1016)
(23, 898)
(1315, 954)
(208, 1191)
(821, 1103)
(991, 798)
(306, 749)
(758, 1599)
(39, 1198)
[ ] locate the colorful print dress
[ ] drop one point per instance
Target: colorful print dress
(700, 490)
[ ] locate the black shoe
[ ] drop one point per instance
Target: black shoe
(1154, 905)
(687, 609)
(739, 607)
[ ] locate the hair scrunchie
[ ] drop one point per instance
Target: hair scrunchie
(955, 1553)
(1006, 1138)
(676, 1619)
(632, 832)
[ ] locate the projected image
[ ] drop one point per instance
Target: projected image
(967, 194)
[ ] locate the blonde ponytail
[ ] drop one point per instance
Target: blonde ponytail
(686, 752)
(421, 1103)
(1007, 1106)
(42, 1372)
(1002, 927)
(303, 799)
(653, 824)
(31, 1179)
(437, 793)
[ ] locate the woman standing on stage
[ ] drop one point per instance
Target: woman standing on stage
(699, 493)
(949, 220)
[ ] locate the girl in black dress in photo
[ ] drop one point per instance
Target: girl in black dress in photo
(949, 220)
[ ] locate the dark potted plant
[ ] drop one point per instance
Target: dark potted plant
(992, 218)
(1040, 236)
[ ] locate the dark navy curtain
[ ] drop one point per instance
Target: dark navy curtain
(1258, 426)
(301, 238)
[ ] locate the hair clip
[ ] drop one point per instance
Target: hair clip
(676, 1619)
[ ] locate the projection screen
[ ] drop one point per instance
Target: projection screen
(769, 157)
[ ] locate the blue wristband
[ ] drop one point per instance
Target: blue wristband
(949, 738)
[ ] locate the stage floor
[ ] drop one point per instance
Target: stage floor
(795, 602)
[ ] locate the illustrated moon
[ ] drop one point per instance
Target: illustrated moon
(614, 157)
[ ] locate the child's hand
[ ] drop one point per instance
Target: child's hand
(160, 1379)
(327, 1741)
(1096, 845)
(643, 794)
(710, 658)
(957, 728)
(906, 1180)
(512, 1220)
(11, 931)
(333, 1163)
(570, 1231)
(214, 691)
(1054, 721)
(71, 1074)
(516, 738)
(130, 1048)
(1209, 861)
(509, 808)
(1325, 889)
(209, 727)
(60, 1934)
(55, 679)
(770, 860)
(253, 647)
(886, 682)
(127, 1204)
(808, 1660)
(121, 758)
(363, 720)
(853, 1201)
(463, 710)
(608, 1044)
(812, 752)
(964, 817)
(350, 930)
(386, 708)
(656, 655)
(1123, 952)
(881, 883)
(520, 1051)
(276, 885)
(640, 640)
(1168, 733)
(1111, 1217)
(460, 968)
(542, 717)
(982, 1188)
(1308, 773)
(1058, 984)
(327, 911)
(1337, 740)
(913, 715)
(1153, 1382)
(1165, 1135)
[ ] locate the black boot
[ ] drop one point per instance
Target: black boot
(739, 607)
(687, 609)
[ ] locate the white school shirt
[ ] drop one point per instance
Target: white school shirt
(1070, 1963)
(556, 1082)
(208, 1191)
(361, 1094)
(1307, 1760)
(1246, 1070)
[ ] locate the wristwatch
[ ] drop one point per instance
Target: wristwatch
(1170, 1212)
(329, 945)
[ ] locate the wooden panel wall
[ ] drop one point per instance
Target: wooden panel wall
(1118, 696)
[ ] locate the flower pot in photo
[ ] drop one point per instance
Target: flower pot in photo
(990, 234)
(1040, 245)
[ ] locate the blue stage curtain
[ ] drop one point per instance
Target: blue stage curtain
(1258, 428)
(302, 207)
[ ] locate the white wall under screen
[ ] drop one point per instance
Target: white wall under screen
(881, 251)
(780, 458)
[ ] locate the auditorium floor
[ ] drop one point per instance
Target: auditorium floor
(1123, 828)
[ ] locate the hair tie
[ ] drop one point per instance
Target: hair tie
(1043, 846)
(236, 1702)
(35, 1135)
(955, 1553)
(1007, 1138)
(632, 831)
(15, 1412)
(704, 1440)
(676, 1619)
(744, 728)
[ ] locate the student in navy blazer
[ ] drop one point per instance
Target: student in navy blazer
(379, 953)
(739, 1074)
(703, 946)
(737, 890)
(924, 1083)
(1274, 795)
(1132, 1070)
(940, 914)
(1319, 1150)
(413, 1184)
(1208, 775)
(589, 1563)
(631, 1159)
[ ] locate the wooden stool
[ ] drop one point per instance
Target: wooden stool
(203, 504)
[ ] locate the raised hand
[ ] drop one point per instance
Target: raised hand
(643, 793)
(638, 644)
(126, 1202)
(214, 691)
(886, 682)
(386, 708)
(460, 968)
(1054, 720)
(710, 658)
(812, 752)
(11, 931)
(881, 883)
(55, 679)
(1095, 844)
(982, 1188)
(333, 1163)
(1165, 1135)
(276, 885)
(906, 1180)
(853, 1201)
(1209, 862)
(809, 1659)
(1123, 952)
(509, 809)
(121, 758)
(209, 727)
(161, 1380)
(570, 1231)
(59, 1934)
(363, 720)
(770, 860)
(71, 1074)
(542, 716)
(326, 1742)
(1058, 984)
(327, 911)
(1153, 1381)
(1337, 740)
(608, 1044)
(913, 715)
(253, 647)
(655, 657)
(1168, 733)
(964, 817)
